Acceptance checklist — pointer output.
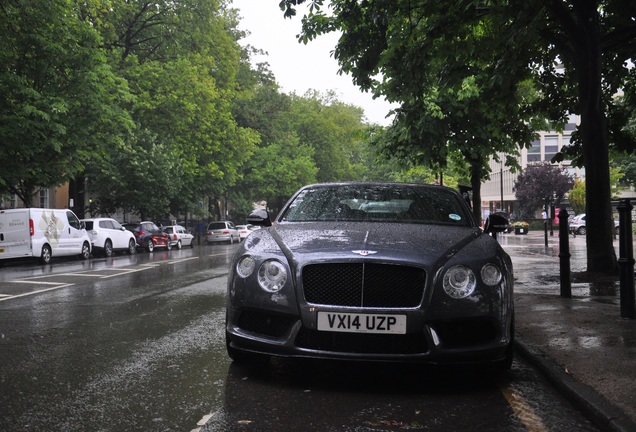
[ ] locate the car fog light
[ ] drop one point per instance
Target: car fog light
(272, 276)
(245, 266)
(490, 274)
(459, 282)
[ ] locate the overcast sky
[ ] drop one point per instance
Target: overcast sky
(299, 67)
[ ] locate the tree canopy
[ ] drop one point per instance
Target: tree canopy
(577, 54)
(154, 109)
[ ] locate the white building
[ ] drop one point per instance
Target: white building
(498, 194)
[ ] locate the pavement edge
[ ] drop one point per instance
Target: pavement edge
(594, 406)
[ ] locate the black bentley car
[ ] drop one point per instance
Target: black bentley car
(372, 271)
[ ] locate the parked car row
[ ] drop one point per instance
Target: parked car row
(226, 231)
(45, 233)
(109, 236)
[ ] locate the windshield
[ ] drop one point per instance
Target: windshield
(398, 203)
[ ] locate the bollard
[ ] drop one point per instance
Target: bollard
(564, 255)
(626, 259)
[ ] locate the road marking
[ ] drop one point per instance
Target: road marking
(523, 411)
(35, 292)
(94, 273)
(179, 261)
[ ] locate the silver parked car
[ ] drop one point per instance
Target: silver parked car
(179, 236)
(372, 271)
(222, 231)
(109, 236)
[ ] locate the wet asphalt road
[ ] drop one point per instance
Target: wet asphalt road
(136, 344)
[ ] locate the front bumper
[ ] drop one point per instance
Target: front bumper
(459, 341)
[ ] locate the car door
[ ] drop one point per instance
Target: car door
(73, 236)
(120, 236)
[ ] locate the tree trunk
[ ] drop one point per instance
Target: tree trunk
(601, 256)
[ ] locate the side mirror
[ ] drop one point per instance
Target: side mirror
(82, 225)
(259, 217)
(495, 223)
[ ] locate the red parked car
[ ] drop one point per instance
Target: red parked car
(149, 236)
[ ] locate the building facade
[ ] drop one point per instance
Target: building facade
(497, 193)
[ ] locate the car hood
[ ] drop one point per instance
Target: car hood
(423, 244)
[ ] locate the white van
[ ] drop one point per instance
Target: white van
(42, 233)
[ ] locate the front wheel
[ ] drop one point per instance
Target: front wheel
(86, 251)
(108, 249)
(45, 256)
(132, 246)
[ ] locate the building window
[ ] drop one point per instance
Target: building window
(534, 152)
(565, 140)
(44, 198)
(14, 201)
(551, 147)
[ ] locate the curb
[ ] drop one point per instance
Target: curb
(594, 406)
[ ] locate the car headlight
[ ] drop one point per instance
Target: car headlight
(245, 266)
(490, 274)
(272, 275)
(459, 282)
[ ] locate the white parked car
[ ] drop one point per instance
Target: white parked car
(179, 236)
(245, 230)
(222, 231)
(577, 225)
(109, 236)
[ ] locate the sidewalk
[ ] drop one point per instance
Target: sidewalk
(582, 344)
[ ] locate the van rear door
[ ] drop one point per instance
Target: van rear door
(15, 235)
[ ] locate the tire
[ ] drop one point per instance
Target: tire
(581, 231)
(132, 247)
(108, 249)
(231, 239)
(86, 251)
(151, 246)
(168, 245)
(192, 244)
(45, 256)
(179, 245)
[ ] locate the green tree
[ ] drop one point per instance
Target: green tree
(333, 130)
(576, 196)
(61, 102)
(280, 163)
(579, 51)
(181, 61)
(433, 61)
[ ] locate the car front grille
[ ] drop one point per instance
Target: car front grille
(363, 285)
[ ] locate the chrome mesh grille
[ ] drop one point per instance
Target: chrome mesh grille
(363, 285)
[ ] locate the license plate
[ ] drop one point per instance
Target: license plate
(1, 249)
(361, 323)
